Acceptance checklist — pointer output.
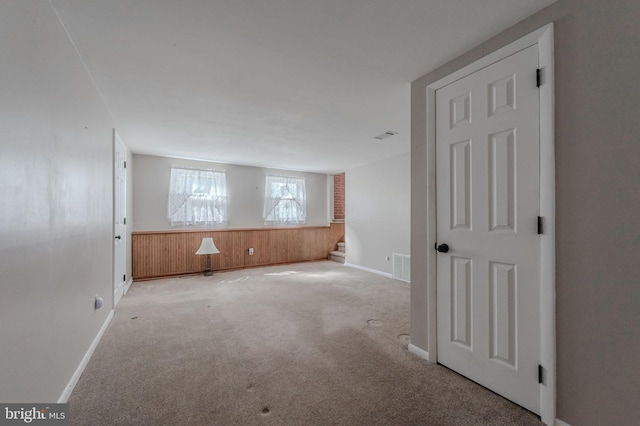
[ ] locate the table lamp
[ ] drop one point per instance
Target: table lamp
(208, 248)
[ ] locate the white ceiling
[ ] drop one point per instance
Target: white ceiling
(289, 84)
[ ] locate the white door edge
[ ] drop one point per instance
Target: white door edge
(543, 37)
(119, 287)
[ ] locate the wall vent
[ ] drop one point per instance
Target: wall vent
(385, 135)
(402, 267)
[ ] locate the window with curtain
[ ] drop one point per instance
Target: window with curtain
(197, 197)
(285, 200)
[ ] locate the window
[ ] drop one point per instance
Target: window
(285, 200)
(197, 197)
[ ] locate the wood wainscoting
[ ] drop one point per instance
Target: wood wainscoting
(159, 254)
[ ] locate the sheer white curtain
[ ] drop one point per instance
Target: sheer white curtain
(197, 197)
(285, 200)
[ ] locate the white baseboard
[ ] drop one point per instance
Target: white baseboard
(127, 285)
(419, 352)
(85, 360)
(373, 271)
(561, 423)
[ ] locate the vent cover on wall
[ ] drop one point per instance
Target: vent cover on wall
(402, 267)
(385, 135)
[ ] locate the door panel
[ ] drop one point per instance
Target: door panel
(460, 158)
(461, 302)
(487, 174)
(502, 312)
(502, 181)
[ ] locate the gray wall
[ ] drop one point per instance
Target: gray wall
(245, 189)
(377, 222)
(55, 215)
(597, 206)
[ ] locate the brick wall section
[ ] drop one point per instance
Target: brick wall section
(338, 196)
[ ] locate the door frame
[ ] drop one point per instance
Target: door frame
(543, 37)
(123, 242)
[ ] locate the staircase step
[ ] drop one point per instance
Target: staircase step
(341, 247)
(337, 256)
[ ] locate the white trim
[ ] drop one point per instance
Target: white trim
(330, 210)
(432, 260)
(127, 286)
(85, 360)
(373, 271)
(508, 50)
(116, 295)
(548, 238)
(417, 351)
(543, 37)
(561, 423)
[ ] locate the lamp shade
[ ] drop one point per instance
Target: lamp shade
(207, 247)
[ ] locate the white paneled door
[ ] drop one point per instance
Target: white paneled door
(488, 192)
(119, 218)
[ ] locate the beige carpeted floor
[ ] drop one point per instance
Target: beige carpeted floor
(304, 344)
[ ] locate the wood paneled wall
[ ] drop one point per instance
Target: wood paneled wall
(164, 253)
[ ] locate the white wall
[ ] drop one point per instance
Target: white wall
(377, 216)
(597, 205)
(245, 188)
(55, 215)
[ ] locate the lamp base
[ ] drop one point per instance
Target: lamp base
(208, 272)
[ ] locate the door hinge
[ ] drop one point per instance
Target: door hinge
(538, 77)
(125, 164)
(124, 221)
(540, 374)
(124, 278)
(540, 225)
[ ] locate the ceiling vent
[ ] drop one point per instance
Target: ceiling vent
(385, 135)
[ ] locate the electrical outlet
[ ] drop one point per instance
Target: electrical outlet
(251, 251)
